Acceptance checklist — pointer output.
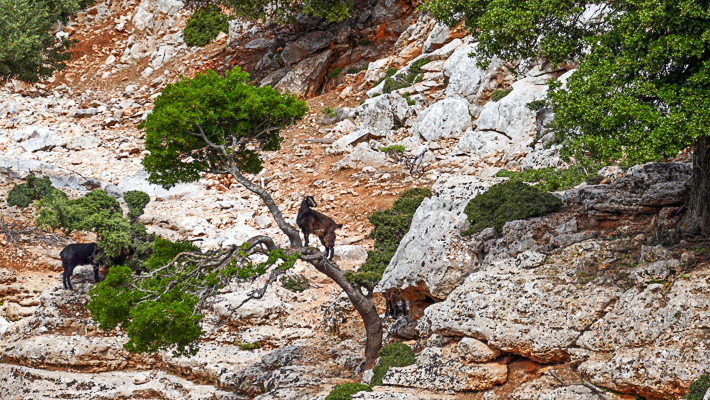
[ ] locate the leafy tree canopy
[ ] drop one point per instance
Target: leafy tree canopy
(228, 112)
(641, 90)
(283, 11)
(28, 50)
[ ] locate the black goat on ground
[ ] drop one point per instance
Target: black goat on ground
(396, 304)
(313, 222)
(79, 254)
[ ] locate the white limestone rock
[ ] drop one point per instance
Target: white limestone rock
(446, 118)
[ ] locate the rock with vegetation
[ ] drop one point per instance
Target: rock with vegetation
(24, 194)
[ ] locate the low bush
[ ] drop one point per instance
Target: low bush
(416, 66)
(204, 25)
(296, 284)
(396, 354)
(498, 94)
(329, 112)
(136, 201)
(410, 101)
(390, 227)
(548, 179)
(508, 201)
(537, 105)
(397, 148)
(697, 389)
(249, 346)
(347, 390)
(24, 194)
(334, 73)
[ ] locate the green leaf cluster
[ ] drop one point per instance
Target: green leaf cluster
(334, 73)
(249, 346)
(347, 390)
(229, 111)
(642, 89)
(136, 201)
(160, 309)
(297, 283)
(24, 194)
(99, 212)
(396, 354)
(393, 83)
(508, 201)
(28, 50)
(390, 227)
(204, 25)
(551, 179)
(697, 389)
(397, 148)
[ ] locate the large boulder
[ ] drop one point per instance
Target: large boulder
(438, 369)
(36, 139)
(447, 118)
(468, 80)
(308, 44)
(362, 156)
(433, 258)
(83, 142)
(304, 79)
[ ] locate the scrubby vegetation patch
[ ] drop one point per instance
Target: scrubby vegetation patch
(24, 194)
(396, 354)
(347, 390)
(508, 201)
(204, 25)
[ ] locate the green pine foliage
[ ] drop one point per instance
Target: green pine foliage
(28, 50)
(508, 201)
(347, 390)
(99, 212)
(697, 389)
(204, 25)
(641, 92)
(136, 201)
(390, 227)
(162, 310)
(228, 110)
(396, 354)
(393, 83)
(334, 73)
(548, 179)
(24, 194)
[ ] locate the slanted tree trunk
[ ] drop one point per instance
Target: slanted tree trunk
(363, 303)
(697, 218)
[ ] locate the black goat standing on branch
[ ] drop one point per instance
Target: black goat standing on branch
(313, 222)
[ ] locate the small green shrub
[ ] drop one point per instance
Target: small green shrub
(390, 227)
(410, 101)
(548, 179)
(296, 284)
(334, 73)
(329, 112)
(416, 66)
(394, 84)
(398, 148)
(697, 389)
(353, 70)
(24, 194)
(204, 25)
(365, 42)
(508, 201)
(498, 94)
(136, 201)
(347, 390)
(249, 346)
(537, 105)
(396, 354)
(594, 179)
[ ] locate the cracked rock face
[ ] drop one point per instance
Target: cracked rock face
(438, 369)
(447, 118)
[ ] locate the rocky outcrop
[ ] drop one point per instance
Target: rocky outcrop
(444, 119)
(306, 77)
(438, 369)
(29, 383)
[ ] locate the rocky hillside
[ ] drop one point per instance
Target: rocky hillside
(588, 302)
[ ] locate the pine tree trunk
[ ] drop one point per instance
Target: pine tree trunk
(697, 218)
